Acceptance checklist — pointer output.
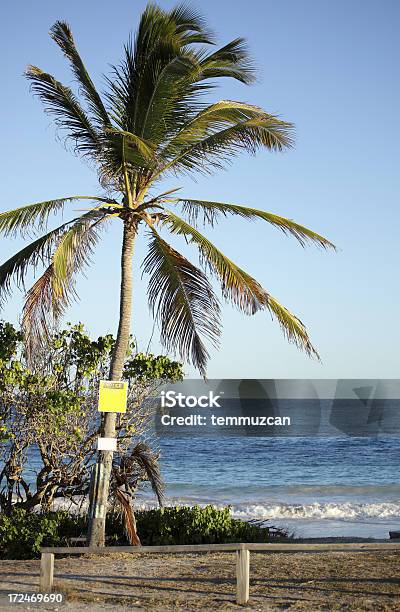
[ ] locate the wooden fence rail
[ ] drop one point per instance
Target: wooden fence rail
(242, 556)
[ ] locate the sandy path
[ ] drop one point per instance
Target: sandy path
(301, 581)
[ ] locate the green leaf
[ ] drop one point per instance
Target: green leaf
(232, 60)
(62, 35)
(60, 102)
(34, 254)
(212, 210)
(76, 245)
(239, 287)
(53, 292)
(133, 149)
(213, 151)
(20, 220)
(183, 301)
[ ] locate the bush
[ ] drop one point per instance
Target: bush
(195, 525)
(23, 534)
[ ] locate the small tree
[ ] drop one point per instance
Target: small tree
(49, 420)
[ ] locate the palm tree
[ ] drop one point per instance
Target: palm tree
(153, 121)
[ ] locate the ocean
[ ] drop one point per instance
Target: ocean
(334, 471)
(314, 487)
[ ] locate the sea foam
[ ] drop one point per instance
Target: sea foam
(318, 510)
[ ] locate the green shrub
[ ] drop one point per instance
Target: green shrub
(195, 525)
(23, 534)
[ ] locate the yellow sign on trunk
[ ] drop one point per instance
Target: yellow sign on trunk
(112, 396)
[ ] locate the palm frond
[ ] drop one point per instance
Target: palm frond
(294, 329)
(76, 245)
(211, 119)
(35, 216)
(182, 300)
(121, 93)
(144, 147)
(181, 26)
(180, 82)
(60, 102)
(232, 60)
(148, 461)
(129, 517)
(45, 302)
(212, 210)
(62, 35)
(54, 291)
(161, 197)
(190, 24)
(152, 100)
(214, 151)
(173, 98)
(122, 150)
(239, 287)
(36, 253)
(156, 88)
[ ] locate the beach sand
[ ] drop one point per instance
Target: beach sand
(300, 581)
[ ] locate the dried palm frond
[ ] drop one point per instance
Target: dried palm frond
(129, 517)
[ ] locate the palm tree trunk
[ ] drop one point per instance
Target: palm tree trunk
(100, 485)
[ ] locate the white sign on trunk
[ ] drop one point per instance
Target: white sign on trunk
(107, 444)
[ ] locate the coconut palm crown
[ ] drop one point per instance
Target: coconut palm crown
(154, 121)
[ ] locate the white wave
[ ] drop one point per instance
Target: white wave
(314, 511)
(319, 511)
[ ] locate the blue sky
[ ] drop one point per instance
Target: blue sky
(329, 67)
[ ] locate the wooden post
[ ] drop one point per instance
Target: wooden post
(46, 572)
(242, 576)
